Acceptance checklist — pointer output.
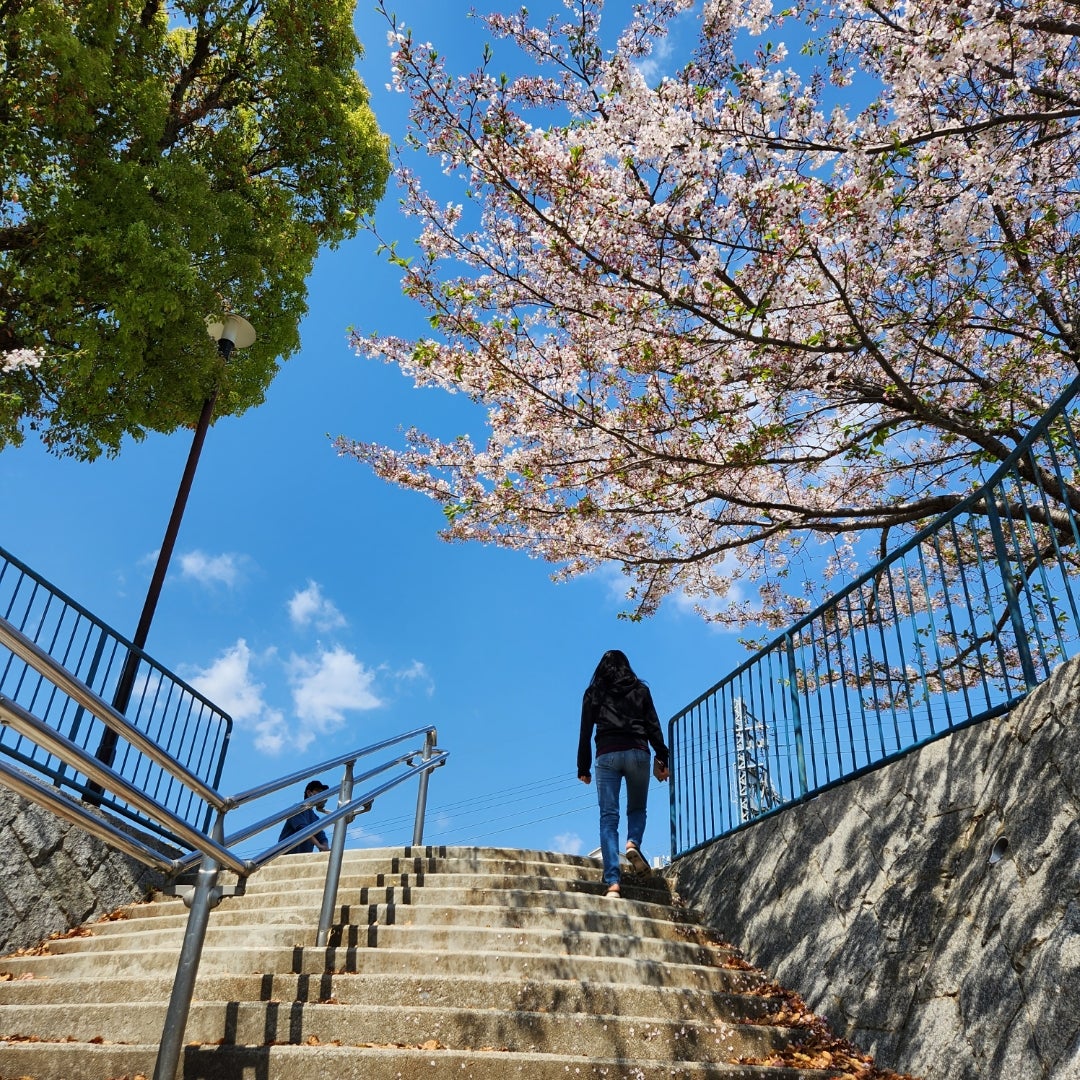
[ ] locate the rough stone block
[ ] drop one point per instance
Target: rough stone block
(39, 834)
(68, 888)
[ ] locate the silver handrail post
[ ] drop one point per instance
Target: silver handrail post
(421, 795)
(206, 896)
(333, 866)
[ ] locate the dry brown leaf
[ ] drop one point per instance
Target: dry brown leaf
(113, 916)
(738, 963)
(74, 932)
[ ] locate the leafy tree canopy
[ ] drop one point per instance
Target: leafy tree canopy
(161, 162)
(754, 310)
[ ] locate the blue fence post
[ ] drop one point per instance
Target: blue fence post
(796, 715)
(672, 806)
(1012, 598)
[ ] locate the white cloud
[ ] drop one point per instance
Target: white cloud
(659, 63)
(325, 688)
(211, 569)
(272, 733)
(230, 684)
(363, 836)
(309, 607)
(568, 844)
(417, 672)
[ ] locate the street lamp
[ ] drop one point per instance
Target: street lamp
(232, 332)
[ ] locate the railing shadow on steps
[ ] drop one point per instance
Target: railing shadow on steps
(160, 824)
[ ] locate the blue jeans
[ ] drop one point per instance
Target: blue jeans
(609, 770)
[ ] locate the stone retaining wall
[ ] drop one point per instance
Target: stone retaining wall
(55, 876)
(880, 903)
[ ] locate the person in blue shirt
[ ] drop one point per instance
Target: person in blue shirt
(306, 817)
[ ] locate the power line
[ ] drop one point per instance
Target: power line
(536, 821)
(526, 816)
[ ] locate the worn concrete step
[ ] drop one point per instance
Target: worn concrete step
(649, 889)
(296, 926)
(433, 893)
(72, 1061)
(643, 1038)
(312, 868)
(291, 868)
(409, 990)
(299, 960)
(619, 919)
(467, 857)
(442, 889)
(567, 940)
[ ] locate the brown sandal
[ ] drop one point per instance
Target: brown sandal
(613, 892)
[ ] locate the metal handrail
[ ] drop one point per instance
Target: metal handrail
(210, 848)
(956, 624)
(174, 714)
(29, 726)
(331, 763)
(42, 662)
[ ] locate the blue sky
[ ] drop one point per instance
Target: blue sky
(318, 605)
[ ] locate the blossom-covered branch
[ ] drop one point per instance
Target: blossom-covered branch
(723, 320)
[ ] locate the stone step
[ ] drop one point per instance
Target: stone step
(564, 941)
(408, 990)
(72, 1061)
(478, 963)
(642, 1038)
(438, 855)
(650, 889)
(410, 888)
(622, 918)
(460, 860)
(300, 960)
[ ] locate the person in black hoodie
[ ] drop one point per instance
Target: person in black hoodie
(619, 707)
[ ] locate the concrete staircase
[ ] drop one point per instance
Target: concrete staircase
(446, 962)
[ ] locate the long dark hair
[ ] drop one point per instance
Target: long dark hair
(613, 673)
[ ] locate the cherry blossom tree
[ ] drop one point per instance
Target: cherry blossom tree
(738, 327)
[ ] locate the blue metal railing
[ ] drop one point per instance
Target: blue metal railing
(175, 716)
(956, 625)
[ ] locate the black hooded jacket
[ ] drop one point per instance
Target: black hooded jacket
(624, 718)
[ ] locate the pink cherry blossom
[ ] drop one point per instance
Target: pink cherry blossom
(801, 290)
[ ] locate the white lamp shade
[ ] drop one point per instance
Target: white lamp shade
(234, 328)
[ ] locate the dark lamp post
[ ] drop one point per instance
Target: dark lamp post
(231, 332)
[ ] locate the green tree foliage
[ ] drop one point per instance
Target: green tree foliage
(163, 162)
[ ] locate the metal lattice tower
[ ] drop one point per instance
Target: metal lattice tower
(756, 793)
